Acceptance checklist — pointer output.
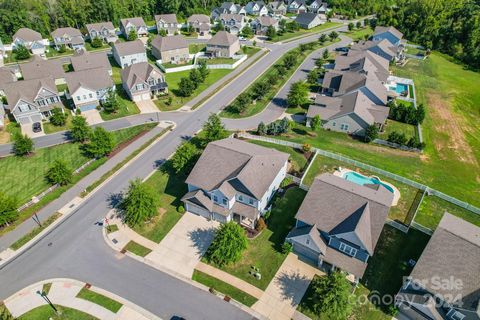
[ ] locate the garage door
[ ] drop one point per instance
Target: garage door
(88, 107)
(197, 210)
(146, 96)
(24, 120)
(306, 253)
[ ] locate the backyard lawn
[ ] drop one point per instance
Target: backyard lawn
(173, 79)
(399, 127)
(264, 252)
(289, 35)
(196, 47)
(359, 34)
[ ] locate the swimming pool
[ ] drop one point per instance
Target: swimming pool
(361, 179)
(399, 88)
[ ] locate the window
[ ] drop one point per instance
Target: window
(455, 315)
(348, 249)
(224, 201)
(84, 97)
(90, 95)
(78, 98)
(250, 201)
(240, 197)
(307, 241)
(344, 126)
(334, 124)
(215, 198)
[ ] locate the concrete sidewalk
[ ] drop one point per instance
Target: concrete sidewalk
(64, 292)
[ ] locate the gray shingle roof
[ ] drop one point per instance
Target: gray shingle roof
(198, 18)
(369, 44)
(223, 38)
(40, 68)
(6, 76)
(391, 29)
(94, 79)
(136, 21)
(99, 26)
(232, 16)
(168, 18)
(169, 42)
(60, 32)
(305, 17)
(453, 251)
(28, 90)
(365, 62)
(27, 34)
(267, 21)
(83, 60)
(138, 73)
(248, 167)
(129, 47)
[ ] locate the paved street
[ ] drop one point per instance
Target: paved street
(75, 249)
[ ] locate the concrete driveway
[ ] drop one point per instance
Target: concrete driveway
(183, 247)
(147, 106)
(28, 130)
(286, 290)
(92, 116)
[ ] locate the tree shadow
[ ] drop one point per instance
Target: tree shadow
(292, 286)
(202, 238)
(280, 102)
(299, 131)
(114, 200)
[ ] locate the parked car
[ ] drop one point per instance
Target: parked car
(241, 38)
(36, 127)
(341, 49)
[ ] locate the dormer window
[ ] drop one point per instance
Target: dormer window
(215, 198)
(345, 248)
(240, 197)
(455, 315)
(250, 201)
(224, 201)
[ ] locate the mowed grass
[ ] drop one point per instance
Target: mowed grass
(359, 34)
(173, 80)
(264, 251)
(224, 288)
(99, 299)
(136, 249)
(46, 312)
(395, 126)
(304, 32)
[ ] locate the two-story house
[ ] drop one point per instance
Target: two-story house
(200, 23)
(142, 81)
(39, 68)
(171, 49)
(137, 24)
(277, 8)
(234, 180)
(339, 223)
(391, 34)
(84, 60)
(445, 282)
(223, 44)
(87, 91)
(261, 24)
(297, 6)
(33, 100)
(256, 8)
(167, 22)
(233, 23)
(383, 48)
(319, 7)
(69, 37)
(130, 52)
(30, 39)
(102, 30)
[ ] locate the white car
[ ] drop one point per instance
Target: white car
(241, 38)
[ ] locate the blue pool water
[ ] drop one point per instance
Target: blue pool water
(361, 180)
(401, 88)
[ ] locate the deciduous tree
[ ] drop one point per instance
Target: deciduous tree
(331, 296)
(58, 117)
(22, 145)
(101, 143)
(8, 209)
(138, 204)
(80, 131)
(227, 246)
(298, 94)
(214, 129)
(59, 173)
(315, 122)
(185, 157)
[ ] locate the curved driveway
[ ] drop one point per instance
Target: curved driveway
(75, 248)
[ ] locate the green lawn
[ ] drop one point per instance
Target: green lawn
(46, 312)
(99, 299)
(432, 209)
(137, 249)
(400, 127)
(250, 51)
(224, 288)
(173, 79)
(359, 34)
(170, 187)
(111, 228)
(297, 159)
(52, 52)
(89, 47)
(29, 236)
(126, 106)
(220, 61)
(264, 251)
(50, 128)
(196, 47)
(289, 35)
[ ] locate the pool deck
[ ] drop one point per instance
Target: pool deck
(396, 193)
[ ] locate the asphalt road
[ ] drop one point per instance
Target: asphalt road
(76, 249)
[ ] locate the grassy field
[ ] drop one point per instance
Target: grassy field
(136, 248)
(264, 251)
(301, 32)
(173, 79)
(359, 34)
(399, 127)
(46, 312)
(224, 288)
(99, 299)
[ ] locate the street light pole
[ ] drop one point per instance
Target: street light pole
(43, 294)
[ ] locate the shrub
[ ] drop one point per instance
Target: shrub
(261, 129)
(62, 48)
(181, 209)
(97, 42)
(287, 247)
(22, 52)
(58, 117)
(371, 133)
(286, 182)
(227, 246)
(266, 215)
(260, 225)
(306, 147)
(22, 145)
(60, 173)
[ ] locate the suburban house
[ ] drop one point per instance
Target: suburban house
(130, 52)
(200, 23)
(142, 81)
(170, 49)
(233, 23)
(69, 37)
(167, 22)
(234, 180)
(232, 8)
(256, 8)
(308, 20)
(102, 30)
(339, 223)
(223, 44)
(445, 282)
(351, 113)
(261, 24)
(318, 7)
(297, 6)
(277, 8)
(30, 39)
(33, 100)
(382, 48)
(87, 91)
(137, 24)
(84, 60)
(39, 68)
(363, 62)
(391, 34)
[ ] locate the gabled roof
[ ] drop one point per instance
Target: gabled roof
(40, 68)
(6, 76)
(392, 30)
(136, 21)
(222, 38)
(232, 16)
(168, 18)
(247, 167)
(129, 47)
(28, 35)
(306, 17)
(276, 4)
(200, 18)
(169, 43)
(266, 21)
(98, 26)
(138, 73)
(93, 79)
(384, 45)
(71, 32)
(453, 251)
(365, 62)
(83, 60)
(28, 90)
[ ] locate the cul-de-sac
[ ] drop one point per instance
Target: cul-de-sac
(204, 160)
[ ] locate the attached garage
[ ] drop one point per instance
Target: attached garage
(87, 107)
(197, 210)
(142, 97)
(305, 252)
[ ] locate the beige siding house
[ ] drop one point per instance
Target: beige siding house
(142, 81)
(223, 44)
(170, 49)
